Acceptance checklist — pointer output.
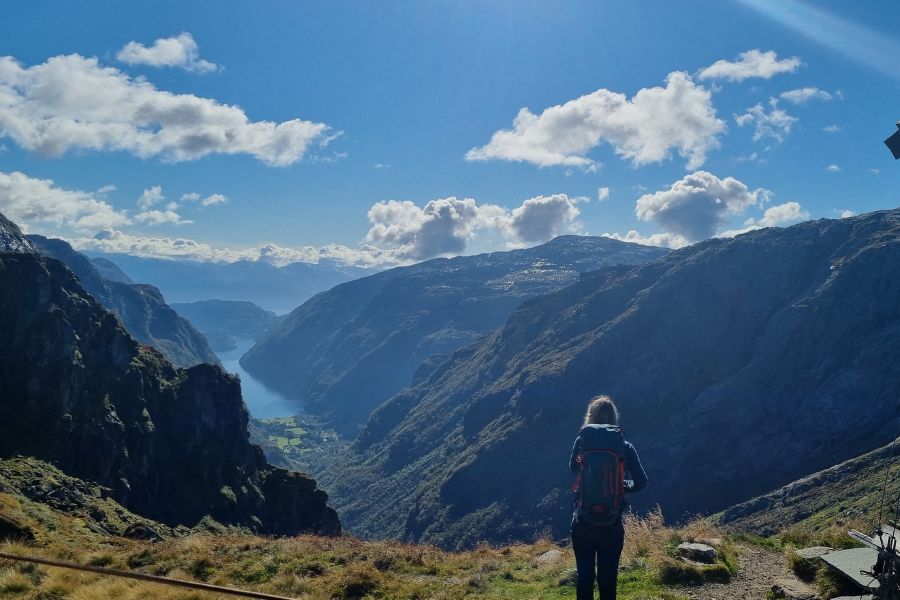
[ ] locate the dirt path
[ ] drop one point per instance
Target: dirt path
(759, 569)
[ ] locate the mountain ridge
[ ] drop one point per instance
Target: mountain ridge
(141, 307)
(345, 351)
(705, 345)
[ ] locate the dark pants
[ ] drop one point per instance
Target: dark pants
(597, 548)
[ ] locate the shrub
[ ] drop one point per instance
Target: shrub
(101, 560)
(202, 569)
(140, 559)
(360, 580)
(677, 572)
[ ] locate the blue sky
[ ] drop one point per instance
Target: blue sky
(399, 92)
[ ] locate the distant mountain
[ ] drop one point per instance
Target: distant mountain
(738, 364)
(170, 444)
(142, 308)
(110, 270)
(280, 289)
(347, 350)
(849, 492)
(223, 320)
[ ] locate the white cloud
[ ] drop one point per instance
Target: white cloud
(602, 194)
(804, 95)
(213, 199)
(648, 128)
(540, 218)
(846, 214)
(210, 200)
(114, 241)
(774, 216)
(833, 168)
(775, 124)
(446, 225)
(752, 63)
(180, 51)
(874, 171)
(72, 102)
(28, 201)
(106, 189)
(831, 129)
(663, 240)
(150, 196)
(789, 212)
(382, 166)
(695, 206)
(161, 217)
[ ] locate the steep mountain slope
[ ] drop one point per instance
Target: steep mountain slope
(738, 364)
(223, 320)
(12, 239)
(172, 444)
(347, 350)
(859, 489)
(142, 308)
(275, 288)
(110, 270)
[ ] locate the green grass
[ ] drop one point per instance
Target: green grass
(299, 443)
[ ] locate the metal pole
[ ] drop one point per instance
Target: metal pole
(144, 577)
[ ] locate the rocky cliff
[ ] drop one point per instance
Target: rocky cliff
(347, 350)
(172, 444)
(738, 364)
(141, 308)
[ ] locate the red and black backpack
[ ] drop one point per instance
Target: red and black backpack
(600, 486)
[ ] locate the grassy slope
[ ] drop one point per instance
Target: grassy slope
(89, 532)
(822, 506)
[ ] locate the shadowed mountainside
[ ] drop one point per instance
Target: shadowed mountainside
(347, 350)
(738, 364)
(172, 444)
(141, 308)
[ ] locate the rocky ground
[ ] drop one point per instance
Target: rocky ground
(760, 569)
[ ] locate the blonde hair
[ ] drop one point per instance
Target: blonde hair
(601, 410)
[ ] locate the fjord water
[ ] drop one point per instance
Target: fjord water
(263, 403)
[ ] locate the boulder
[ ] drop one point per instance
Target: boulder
(141, 531)
(547, 558)
(702, 553)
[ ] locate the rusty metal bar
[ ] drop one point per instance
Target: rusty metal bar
(196, 585)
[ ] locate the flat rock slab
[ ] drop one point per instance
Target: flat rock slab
(791, 589)
(850, 562)
(813, 552)
(703, 553)
(865, 597)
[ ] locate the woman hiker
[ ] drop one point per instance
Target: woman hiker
(607, 466)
